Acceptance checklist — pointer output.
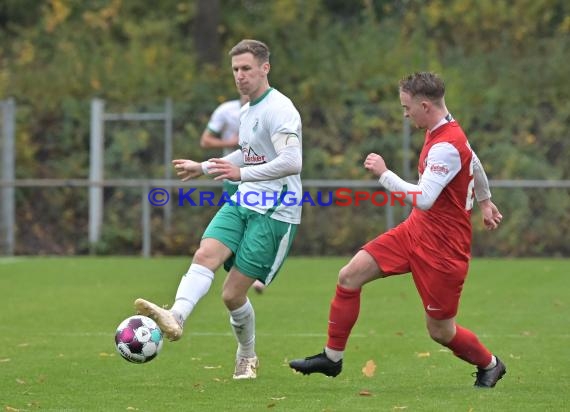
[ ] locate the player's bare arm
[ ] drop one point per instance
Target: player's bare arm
(210, 141)
(375, 164)
(187, 169)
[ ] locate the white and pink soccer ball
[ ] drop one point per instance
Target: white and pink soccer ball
(138, 339)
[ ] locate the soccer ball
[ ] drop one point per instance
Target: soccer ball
(138, 339)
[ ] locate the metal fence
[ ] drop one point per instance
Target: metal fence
(96, 183)
(8, 221)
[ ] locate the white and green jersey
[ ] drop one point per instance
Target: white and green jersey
(271, 113)
(224, 122)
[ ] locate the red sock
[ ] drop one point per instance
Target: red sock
(345, 307)
(465, 345)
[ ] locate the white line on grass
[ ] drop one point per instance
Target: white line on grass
(319, 335)
(293, 335)
(10, 260)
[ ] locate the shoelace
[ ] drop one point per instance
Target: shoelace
(479, 374)
(242, 367)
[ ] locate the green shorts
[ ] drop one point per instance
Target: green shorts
(259, 243)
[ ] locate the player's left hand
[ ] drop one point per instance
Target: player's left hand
(375, 163)
(491, 215)
(224, 169)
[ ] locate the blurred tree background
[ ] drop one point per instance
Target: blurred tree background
(504, 63)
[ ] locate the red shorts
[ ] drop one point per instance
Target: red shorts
(439, 279)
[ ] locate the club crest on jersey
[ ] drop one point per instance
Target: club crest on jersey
(255, 125)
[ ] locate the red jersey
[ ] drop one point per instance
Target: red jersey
(445, 228)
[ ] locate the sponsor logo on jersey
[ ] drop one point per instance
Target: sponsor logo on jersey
(252, 158)
(439, 169)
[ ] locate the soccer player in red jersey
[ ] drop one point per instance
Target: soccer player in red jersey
(433, 243)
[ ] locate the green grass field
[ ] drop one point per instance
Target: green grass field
(58, 317)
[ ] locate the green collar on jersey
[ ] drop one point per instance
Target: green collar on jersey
(260, 98)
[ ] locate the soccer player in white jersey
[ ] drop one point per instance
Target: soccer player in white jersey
(222, 132)
(250, 236)
(223, 127)
(433, 243)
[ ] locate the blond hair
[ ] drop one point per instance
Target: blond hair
(259, 49)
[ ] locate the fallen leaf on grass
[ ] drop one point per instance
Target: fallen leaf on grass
(104, 354)
(213, 367)
(423, 354)
(399, 408)
(365, 392)
(278, 399)
(20, 381)
(4, 360)
(132, 408)
(23, 345)
(369, 369)
(10, 409)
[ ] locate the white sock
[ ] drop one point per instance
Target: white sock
(334, 355)
(492, 364)
(242, 321)
(193, 286)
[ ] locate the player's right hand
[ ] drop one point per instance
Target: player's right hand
(375, 164)
(187, 169)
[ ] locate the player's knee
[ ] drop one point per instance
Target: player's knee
(346, 277)
(230, 298)
(441, 335)
(437, 336)
(233, 300)
(205, 257)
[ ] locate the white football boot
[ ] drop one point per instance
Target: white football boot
(246, 368)
(164, 318)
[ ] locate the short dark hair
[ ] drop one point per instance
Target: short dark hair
(259, 49)
(425, 84)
